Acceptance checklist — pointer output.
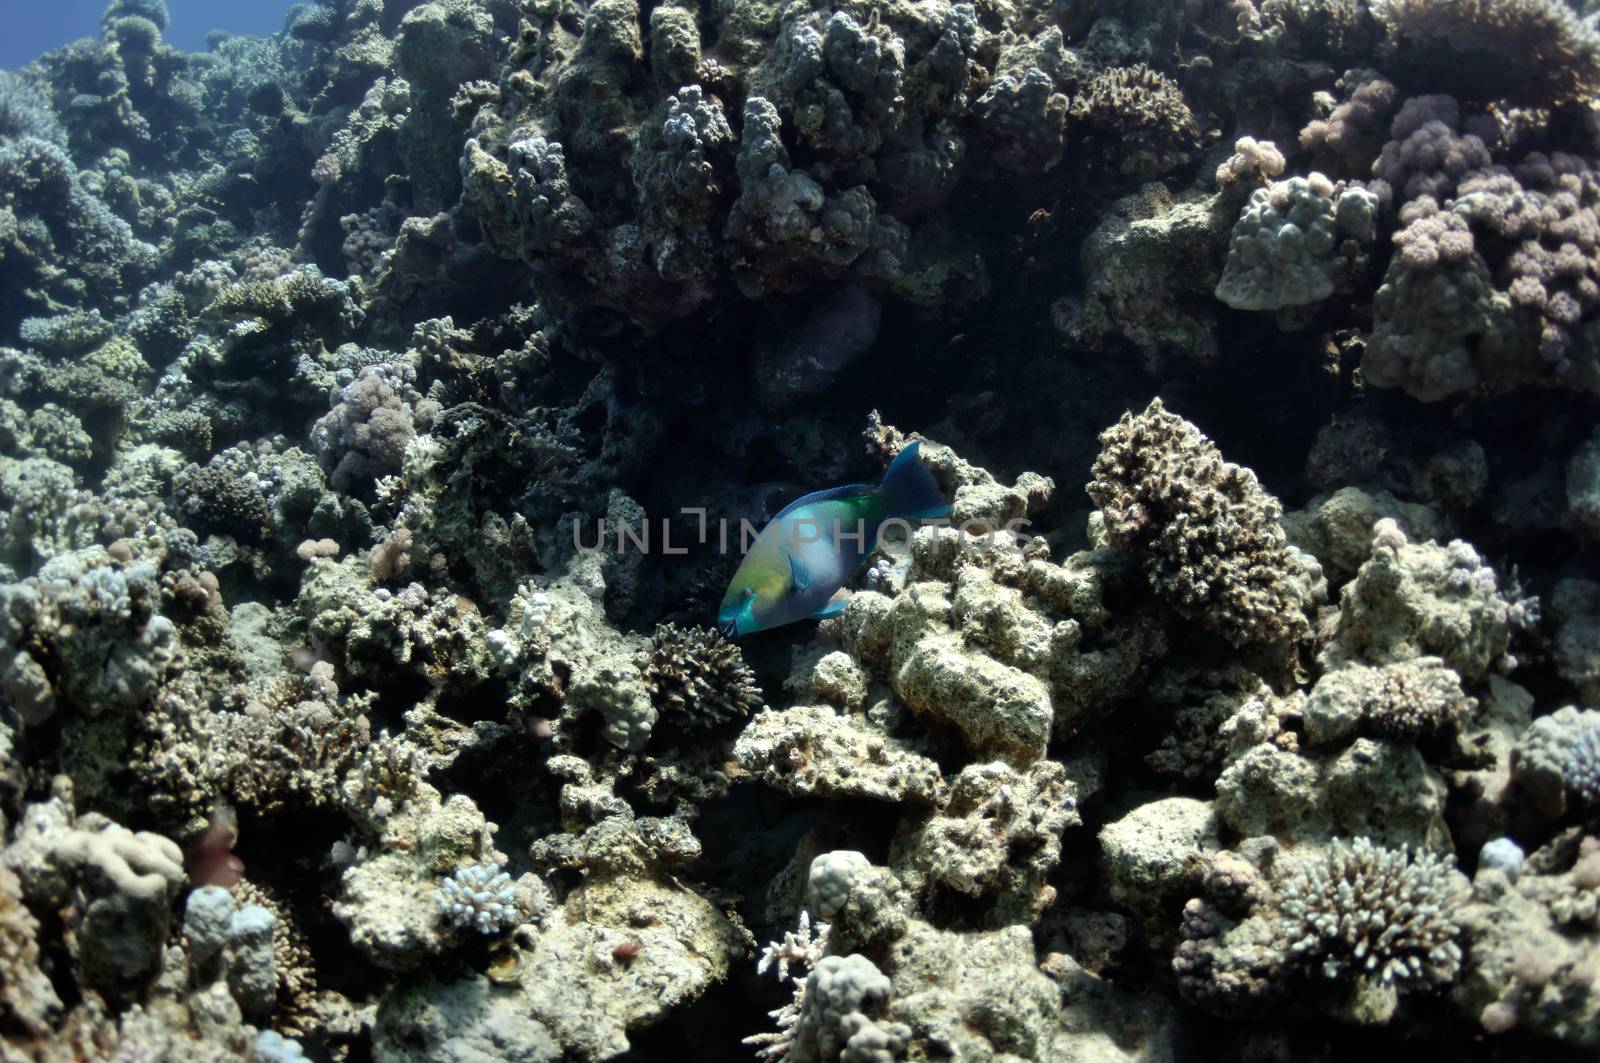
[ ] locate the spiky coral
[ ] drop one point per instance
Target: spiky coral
(1380, 913)
(1205, 532)
(1144, 112)
(295, 965)
(699, 676)
(802, 947)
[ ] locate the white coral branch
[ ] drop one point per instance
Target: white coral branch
(802, 946)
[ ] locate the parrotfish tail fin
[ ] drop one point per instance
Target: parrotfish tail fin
(834, 605)
(908, 490)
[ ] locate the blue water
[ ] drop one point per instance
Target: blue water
(30, 27)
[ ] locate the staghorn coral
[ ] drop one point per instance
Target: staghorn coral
(801, 947)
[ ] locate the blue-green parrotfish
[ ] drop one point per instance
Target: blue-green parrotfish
(797, 565)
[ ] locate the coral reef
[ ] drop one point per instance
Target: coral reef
(385, 404)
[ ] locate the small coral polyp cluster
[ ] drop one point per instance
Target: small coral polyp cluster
(381, 404)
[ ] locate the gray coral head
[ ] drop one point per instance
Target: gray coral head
(831, 877)
(1503, 855)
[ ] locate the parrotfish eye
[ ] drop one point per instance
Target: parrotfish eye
(746, 594)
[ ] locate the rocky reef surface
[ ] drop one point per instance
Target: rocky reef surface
(357, 704)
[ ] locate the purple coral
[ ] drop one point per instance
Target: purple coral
(1549, 210)
(1431, 236)
(1352, 131)
(1428, 154)
(1496, 274)
(374, 418)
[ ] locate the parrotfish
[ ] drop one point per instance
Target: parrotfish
(797, 566)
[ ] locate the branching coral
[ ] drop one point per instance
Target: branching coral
(1204, 531)
(1383, 914)
(25, 112)
(699, 676)
(1582, 768)
(479, 896)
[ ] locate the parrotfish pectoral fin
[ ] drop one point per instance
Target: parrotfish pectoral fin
(834, 606)
(799, 575)
(908, 490)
